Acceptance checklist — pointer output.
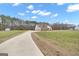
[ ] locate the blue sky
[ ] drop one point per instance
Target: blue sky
(43, 12)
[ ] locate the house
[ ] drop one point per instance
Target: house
(7, 29)
(77, 27)
(42, 27)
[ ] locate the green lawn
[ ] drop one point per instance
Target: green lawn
(65, 39)
(4, 35)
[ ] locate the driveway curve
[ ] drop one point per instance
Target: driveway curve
(21, 45)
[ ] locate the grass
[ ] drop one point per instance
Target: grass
(68, 40)
(5, 35)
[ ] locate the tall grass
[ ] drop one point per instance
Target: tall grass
(65, 39)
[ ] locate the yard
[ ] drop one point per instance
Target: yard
(58, 42)
(5, 35)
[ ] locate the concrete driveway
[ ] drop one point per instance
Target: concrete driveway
(21, 45)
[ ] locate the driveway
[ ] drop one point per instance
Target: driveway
(21, 45)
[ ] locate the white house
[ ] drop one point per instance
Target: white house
(43, 26)
(77, 28)
(7, 29)
(37, 27)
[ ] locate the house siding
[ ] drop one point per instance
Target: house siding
(43, 27)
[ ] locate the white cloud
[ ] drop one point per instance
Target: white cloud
(27, 11)
(35, 11)
(67, 22)
(72, 8)
(47, 13)
(15, 4)
(21, 14)
(34, 17)
(43, 13)
(60, 3)
(30, 7)
(55, 15)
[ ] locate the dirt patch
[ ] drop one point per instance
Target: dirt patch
(49, 49)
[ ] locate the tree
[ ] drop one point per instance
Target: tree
(61, 26)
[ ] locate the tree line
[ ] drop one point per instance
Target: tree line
(17, 24)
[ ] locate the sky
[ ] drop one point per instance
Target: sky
(43, 12)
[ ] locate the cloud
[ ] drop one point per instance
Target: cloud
(55, 15)
(27, 11)
(60, 3)
(72, 8)
(35, 11)
(44, 13)
(41, 13)
(67, 22)
(34, 17)
(21, 14)
(30, 7)
(16, 4)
